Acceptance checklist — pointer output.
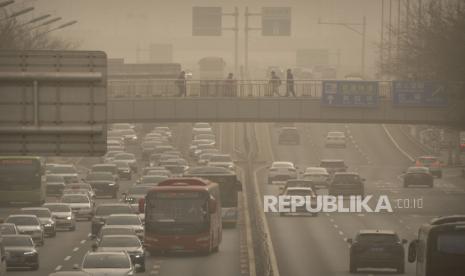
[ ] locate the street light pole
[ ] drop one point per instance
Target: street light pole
(350, 26)
(37, 19)
(246, 39)
(235, 29)
(67, 24)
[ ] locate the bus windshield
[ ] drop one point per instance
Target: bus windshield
(177, 212)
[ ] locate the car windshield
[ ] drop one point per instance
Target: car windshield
(107, 168)
(153, 179)
(336, 134)
(220, 158)
(58, 208)
(119, 241)
(100, 177)
(201, 125)
(282, 165)
(428, 160)
(125, 156)
(346, 178)
(18, 241)
(178, 208)
(113, 153)
(377, 238)
(23, 220)
(123, 220)
(106, 210)
(6, 229)
(451, 243)
(54, 178)
(299, 192)
(332, 164)
(139, 190)
(75, 199)
(121, 164)
(117, 231)
(38, 212)
(127, 132)
(63, 169)
(316, 171)
(417, 170)
(106, 261)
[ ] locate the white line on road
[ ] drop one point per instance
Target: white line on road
(396, 144)
(75, 249)
(58, 268)
(336, 226)
(341, 233)
(83, 241)
(67, 258)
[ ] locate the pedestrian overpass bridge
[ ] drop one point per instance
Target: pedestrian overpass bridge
(254, 101)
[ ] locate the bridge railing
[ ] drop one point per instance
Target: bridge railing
(144, 88)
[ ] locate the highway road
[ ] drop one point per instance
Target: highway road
(316, 245)
(68, 248)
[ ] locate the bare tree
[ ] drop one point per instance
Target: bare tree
(431, 42)
(17, 36)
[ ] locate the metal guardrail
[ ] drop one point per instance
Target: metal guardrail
(221, 88)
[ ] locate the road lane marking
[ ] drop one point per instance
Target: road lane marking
(58, 268)
(83, 241)
(75, 249)
(336, 226)
(341, 233)
(67, 258)
(396, 144)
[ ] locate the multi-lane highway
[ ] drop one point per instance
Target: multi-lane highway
(301, 245)
(317, 245)
(68, 248)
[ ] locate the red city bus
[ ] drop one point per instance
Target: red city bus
(182, 214)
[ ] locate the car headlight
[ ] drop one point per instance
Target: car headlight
(29, 253)
(69, 218)
(48, 225)
(111, 184)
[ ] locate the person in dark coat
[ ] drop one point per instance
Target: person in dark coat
(181, 83)
(290, 84)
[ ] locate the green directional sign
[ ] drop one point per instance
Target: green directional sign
(276, 21)
(207, 21)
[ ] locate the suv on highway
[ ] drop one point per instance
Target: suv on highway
(289, 135)
(418, 176)
(335, 139)
(377, 249)
(103, 211)
(280, 171)
(347, 183)
(333, 165)
(430, 162)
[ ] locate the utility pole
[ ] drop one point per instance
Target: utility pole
(381, 52)
(351, 26)
(246, 38)
(235, 29)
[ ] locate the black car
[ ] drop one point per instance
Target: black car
(377, 249)
(347, 183)
(21, 252)
(420, 176)
(103, 184)
(129, 243)
(103, 211)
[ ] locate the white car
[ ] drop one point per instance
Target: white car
(80, 204)
(319, 176)
(68, 172)
(63, 215)
(130, 158)
(335, 139)
(131, 221)
(107, 263)
(280, 171)
(221, 160)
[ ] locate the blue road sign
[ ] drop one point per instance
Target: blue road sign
(419, 93)
(350, 93)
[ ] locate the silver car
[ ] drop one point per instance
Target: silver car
(107, 264)
(28, 225)
(132, 221)
(280, 171)
(63, 215)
